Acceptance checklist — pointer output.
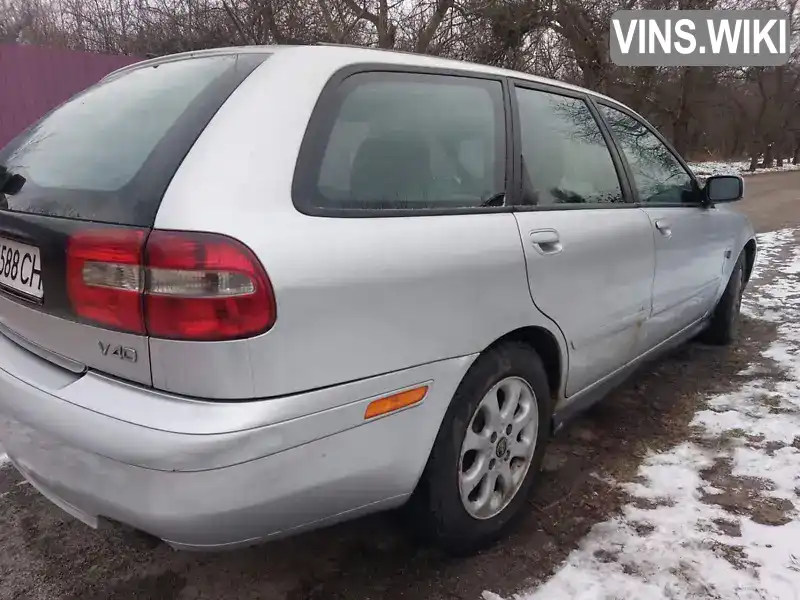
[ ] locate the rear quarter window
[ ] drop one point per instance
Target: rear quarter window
(387, 141)
(109, 153)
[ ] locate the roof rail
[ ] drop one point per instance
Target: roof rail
(222, 50)
(373, 48)
(338, 44)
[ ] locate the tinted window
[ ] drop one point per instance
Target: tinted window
(396, 141)
(658, 175)
(109, 153)
(565, 158)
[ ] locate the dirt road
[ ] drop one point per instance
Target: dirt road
(44, 554)
(772, 201)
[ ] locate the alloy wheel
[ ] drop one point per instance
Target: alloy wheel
(498, 447)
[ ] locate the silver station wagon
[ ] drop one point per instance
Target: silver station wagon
(254, 291)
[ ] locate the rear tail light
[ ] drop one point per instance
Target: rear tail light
(105, 277)
(201, 286)
(177, 285)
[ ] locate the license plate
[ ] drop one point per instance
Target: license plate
(20, 268)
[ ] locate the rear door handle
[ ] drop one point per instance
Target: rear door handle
(664, 227)
(545, 241)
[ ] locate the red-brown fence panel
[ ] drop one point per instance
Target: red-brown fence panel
(35, 79)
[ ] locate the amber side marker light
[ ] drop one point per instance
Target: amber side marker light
(382, 406)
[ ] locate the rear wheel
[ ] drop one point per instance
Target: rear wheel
(724, 325)
(488, 451)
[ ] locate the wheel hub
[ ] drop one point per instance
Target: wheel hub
(501, 448)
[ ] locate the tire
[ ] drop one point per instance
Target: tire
(438, 511)
(724, 324)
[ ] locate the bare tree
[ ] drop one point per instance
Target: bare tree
(705, 111)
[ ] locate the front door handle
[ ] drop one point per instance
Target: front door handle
(664, 227)
(545, 241)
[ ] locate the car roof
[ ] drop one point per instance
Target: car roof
(348, 55)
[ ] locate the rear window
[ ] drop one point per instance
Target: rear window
(109, 153)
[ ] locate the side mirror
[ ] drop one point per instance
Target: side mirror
(724, 188)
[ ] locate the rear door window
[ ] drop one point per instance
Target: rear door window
(388, 141)
(109, 153)
(566, 160)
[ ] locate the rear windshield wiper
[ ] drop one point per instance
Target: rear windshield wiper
(10, 183)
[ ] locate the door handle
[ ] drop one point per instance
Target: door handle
(664, 227)
(545, 241)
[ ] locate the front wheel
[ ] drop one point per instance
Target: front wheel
(488, 451)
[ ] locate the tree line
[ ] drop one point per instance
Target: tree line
(708, 112)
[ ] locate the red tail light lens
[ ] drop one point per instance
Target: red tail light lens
(205, 287)
(179, 285)
(105, 278)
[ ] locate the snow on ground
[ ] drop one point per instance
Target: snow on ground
(715, 517)
(704, 169)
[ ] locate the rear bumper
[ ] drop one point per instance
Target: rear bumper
(339, 477)
(229, 488)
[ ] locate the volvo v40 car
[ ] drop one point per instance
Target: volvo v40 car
(253, 291)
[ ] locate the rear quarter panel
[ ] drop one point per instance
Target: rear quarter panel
(355, 297)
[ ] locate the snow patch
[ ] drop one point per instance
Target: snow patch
(685, 554)
(708, 168)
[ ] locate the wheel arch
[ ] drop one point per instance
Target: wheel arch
(546, 345)
(549, 347)
(749, 258)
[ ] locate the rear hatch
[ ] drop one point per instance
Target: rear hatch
(84, 280)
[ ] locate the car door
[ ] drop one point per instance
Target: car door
(589, 250)
(690, 246)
